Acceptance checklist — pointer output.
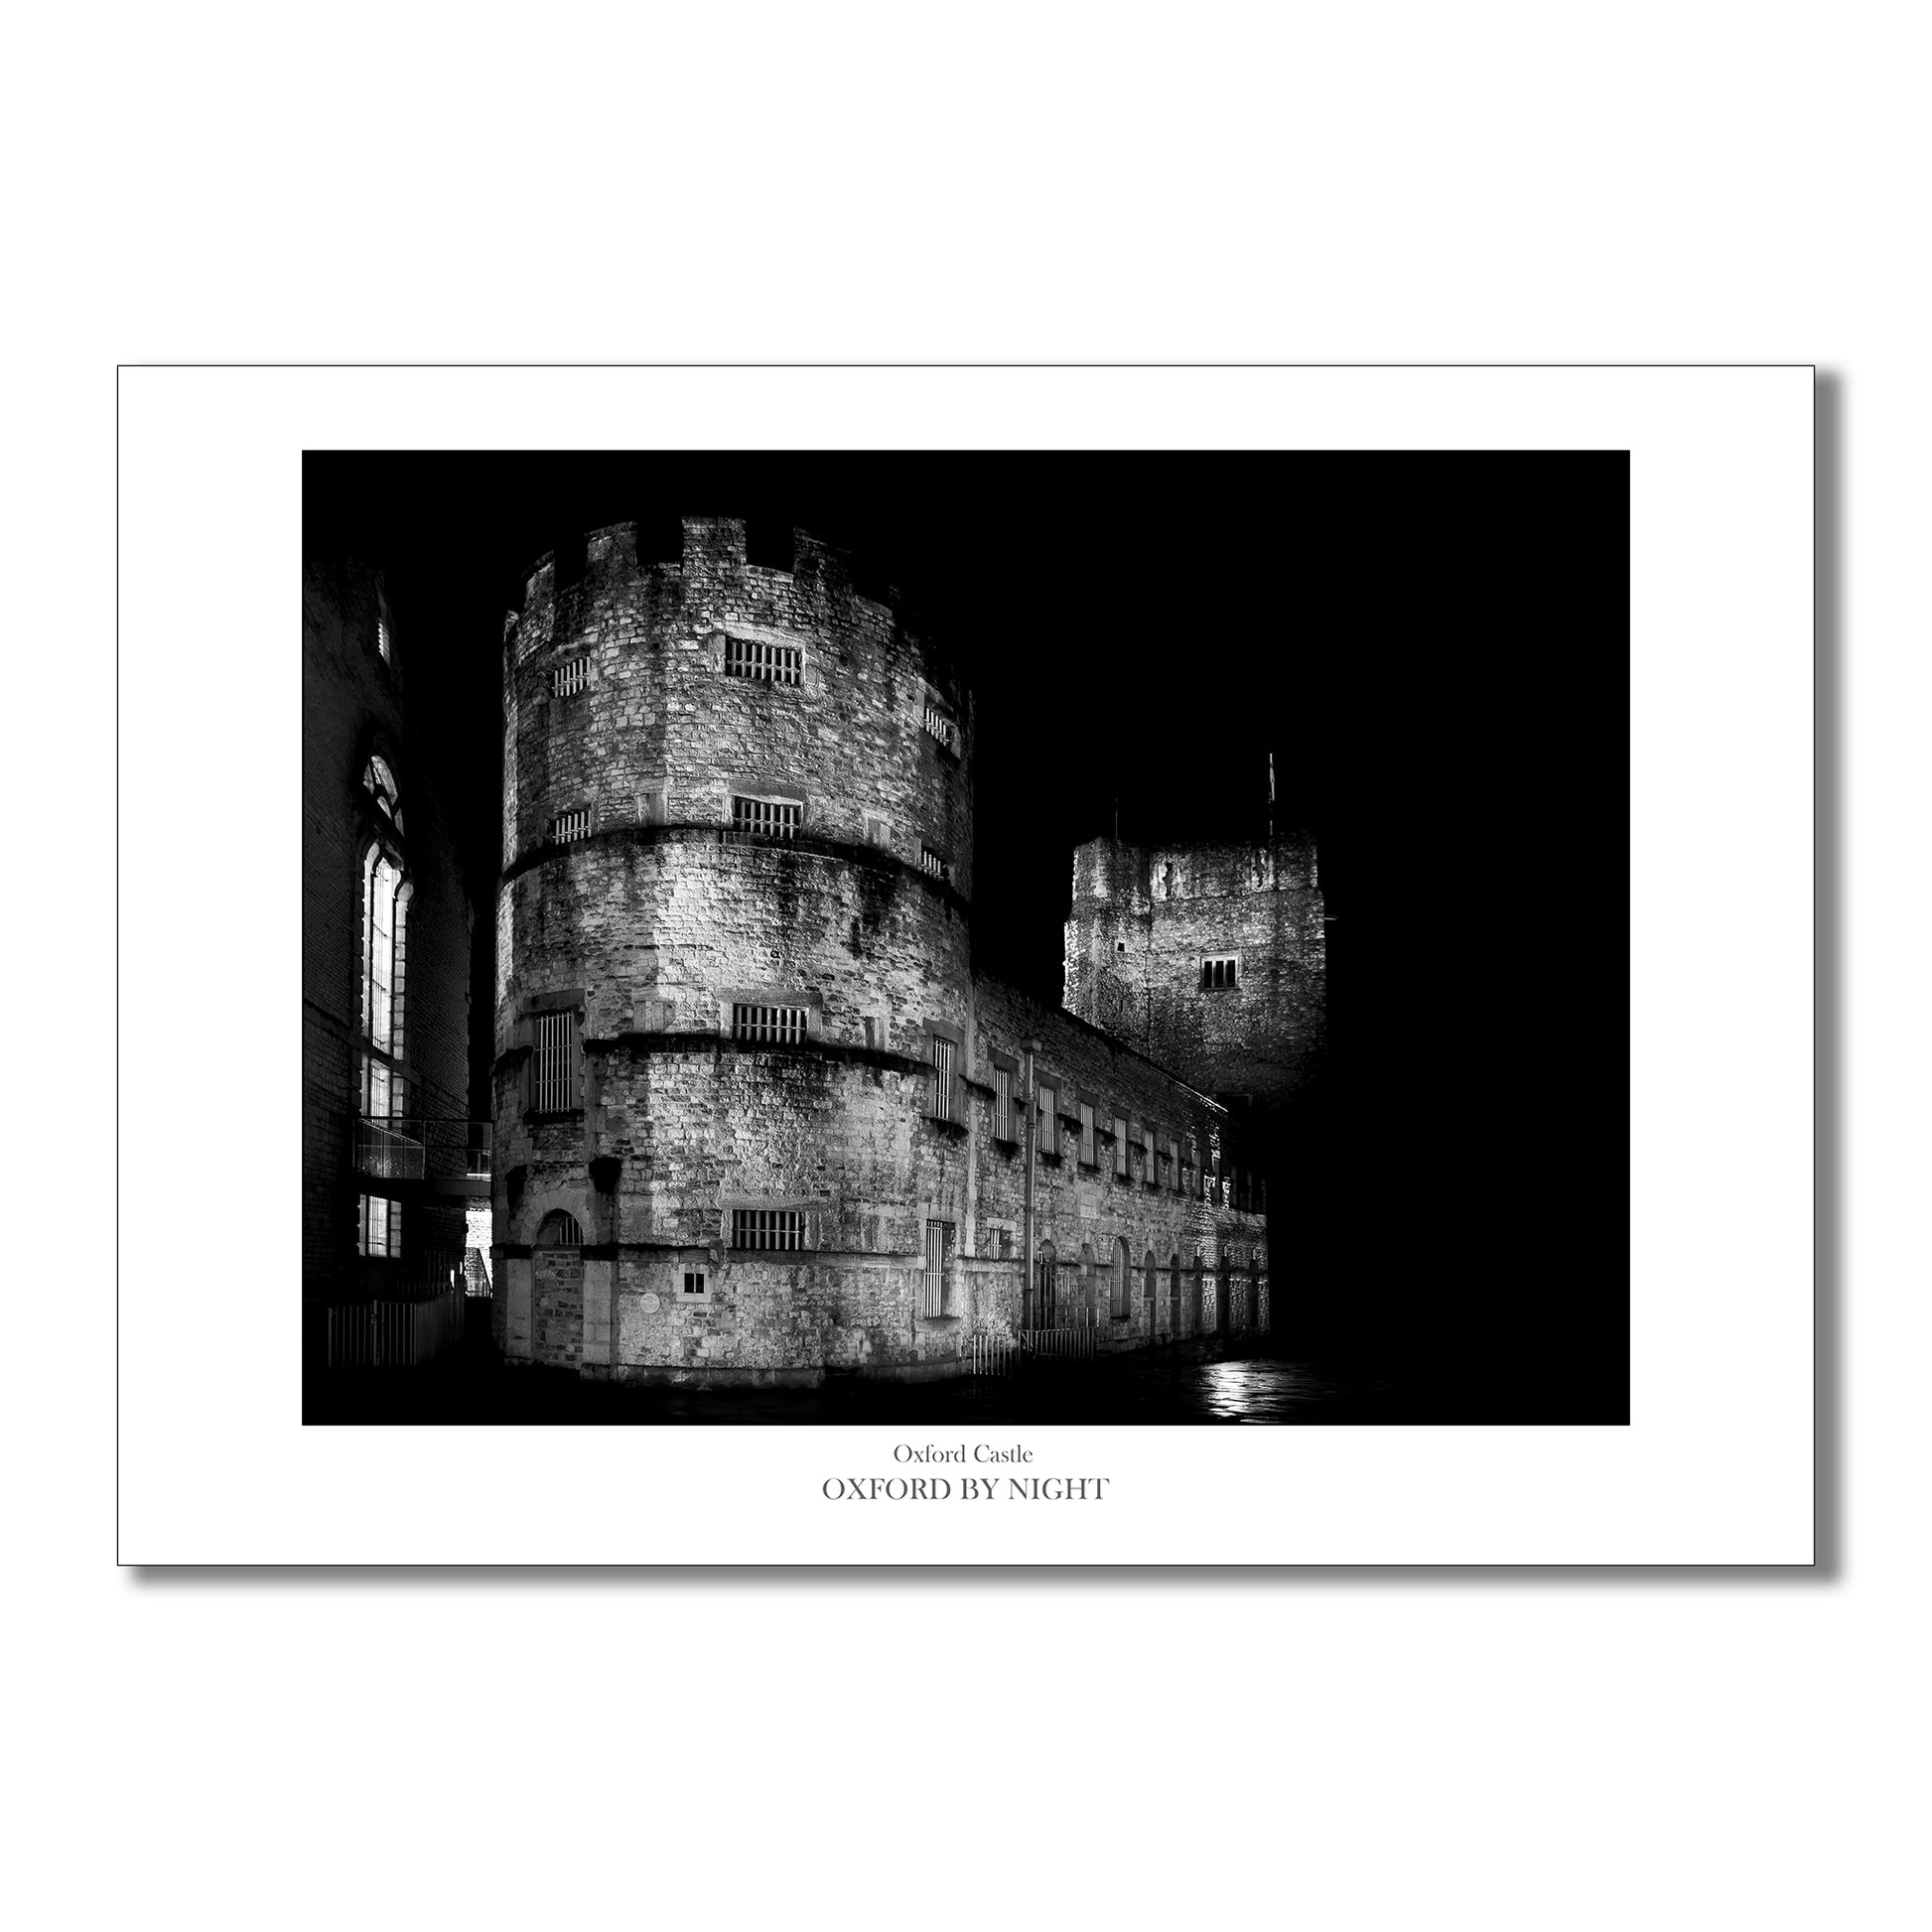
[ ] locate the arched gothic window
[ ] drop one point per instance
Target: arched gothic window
(380, 784)
(560, 1230)
(385, 919)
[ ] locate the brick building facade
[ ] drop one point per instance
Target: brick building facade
(758, 1115)
(386, 928)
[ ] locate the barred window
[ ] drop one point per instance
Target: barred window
(769, 1025)
(1219, 969)
(1049, 1121)
(553, 1071)
(770, 663)
(768, 1227)
(1003, 1128)
(938, 1246)
(569, 679)
(382, 638)
(1120, 1146)
(940, 725)
(765, 818)
(1088, 1157)
(932, 861)
(560, 1230)
(943, 1054)
(570, 825)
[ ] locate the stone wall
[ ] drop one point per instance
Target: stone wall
(1143, 922)
(650, 926)
(660, 731)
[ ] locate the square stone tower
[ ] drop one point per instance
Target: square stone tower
(1210, 959)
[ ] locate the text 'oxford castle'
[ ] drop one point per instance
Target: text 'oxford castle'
(756, 1114)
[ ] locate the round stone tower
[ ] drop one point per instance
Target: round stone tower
(731, 959)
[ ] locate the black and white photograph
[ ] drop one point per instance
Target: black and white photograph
(965, 937)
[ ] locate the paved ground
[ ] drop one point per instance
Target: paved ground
(1162, 1387)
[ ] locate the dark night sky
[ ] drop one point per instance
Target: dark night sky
(1434, 648)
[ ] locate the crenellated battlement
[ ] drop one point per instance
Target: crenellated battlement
(715, 558)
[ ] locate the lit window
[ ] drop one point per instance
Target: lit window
(765, 818)
(378, 1228)
(570, 825)
(381, 783)
(553, 1065)
(382, 638)
(569, 679)
(385, 911)
(766, 1227)
(1220, 969)
(770, 663)
(932, 861)
(769, 1025)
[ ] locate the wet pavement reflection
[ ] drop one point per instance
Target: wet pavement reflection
(1165, 1387)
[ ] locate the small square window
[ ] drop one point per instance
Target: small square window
(693, 1283)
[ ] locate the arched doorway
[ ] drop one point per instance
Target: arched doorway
(1087, 1287)
(1151, 1282)
(1200, 1284)
(1042, 1293)
(557, 1291)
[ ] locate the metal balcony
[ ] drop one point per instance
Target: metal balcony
(448, 1156)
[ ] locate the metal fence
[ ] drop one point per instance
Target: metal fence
(1029, 1349)
(394, 1334)
(994, 1355)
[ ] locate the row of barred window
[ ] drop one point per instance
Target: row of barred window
(754, 818)
(765, 663)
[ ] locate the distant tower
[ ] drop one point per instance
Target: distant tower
(1211, 959)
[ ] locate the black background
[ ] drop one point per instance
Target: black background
(1436, 649)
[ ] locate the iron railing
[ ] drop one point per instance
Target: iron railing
(394, 1334)
(1029, 1349)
